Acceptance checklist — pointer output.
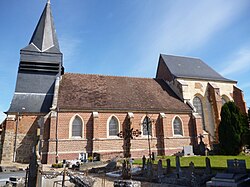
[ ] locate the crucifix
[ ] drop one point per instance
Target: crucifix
(127, 135)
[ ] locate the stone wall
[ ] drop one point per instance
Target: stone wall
(211, 105)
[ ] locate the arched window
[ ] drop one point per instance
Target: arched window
(146, 126)
(177, 125)
(199, 109)
(113, 126)
(76, 130)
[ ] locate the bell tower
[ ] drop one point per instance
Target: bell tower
(40, 65)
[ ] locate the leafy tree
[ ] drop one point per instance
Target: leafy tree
(231, 129)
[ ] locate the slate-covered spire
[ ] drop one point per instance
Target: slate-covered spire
(44, 37)
(40, 65)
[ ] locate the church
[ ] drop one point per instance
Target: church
(61, 114)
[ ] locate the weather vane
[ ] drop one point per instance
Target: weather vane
(48, 1)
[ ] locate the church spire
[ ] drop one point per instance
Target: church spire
(44, 38)
(41, 63)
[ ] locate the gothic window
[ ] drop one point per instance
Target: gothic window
(113, 126)
(77, 126)
(199, 109)
(177, 124)
(147, 126)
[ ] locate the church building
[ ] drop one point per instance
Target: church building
(61, 114)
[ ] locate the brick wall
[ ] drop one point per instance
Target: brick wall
(95, 137)
(19, 140)
(163, 71)
(239, 100)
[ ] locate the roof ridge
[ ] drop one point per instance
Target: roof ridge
(119, 76)
(182, 56)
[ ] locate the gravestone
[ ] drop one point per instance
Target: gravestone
(188, 150)
(159, 169)
(191, 167)
(236, 166)
(208, 169)
(168, 169)
(178, 166)
(236, 175)
(149, 173)
(143, 162)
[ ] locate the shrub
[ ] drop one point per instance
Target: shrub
(231, 129)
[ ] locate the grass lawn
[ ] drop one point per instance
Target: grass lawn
(219, 162)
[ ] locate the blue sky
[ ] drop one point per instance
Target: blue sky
(125, 37)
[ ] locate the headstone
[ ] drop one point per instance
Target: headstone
(143, 162)
(188, 150)
(194, 182)
(110, 166)
(178, 166)
(236, 166)
(202, 146)
(159, 169)
(83, 157)
(149, 170)
(236, 175)
(208, 169)
(168, 166)
(97, 156)
(191, 167)
(153, 156)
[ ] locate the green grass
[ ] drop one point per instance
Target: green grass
(219, 162)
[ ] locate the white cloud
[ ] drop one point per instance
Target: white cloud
(191, 24)
(238, 63)
(188, 25)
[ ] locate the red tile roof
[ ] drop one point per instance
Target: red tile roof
(99, 92)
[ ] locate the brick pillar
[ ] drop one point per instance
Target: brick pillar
(215, 100)
(167, 126)
(95, 132)
(8, 135)
(239, 100)
(52, 141)
(160, 134)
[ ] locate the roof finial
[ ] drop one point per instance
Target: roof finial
(48, 1)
